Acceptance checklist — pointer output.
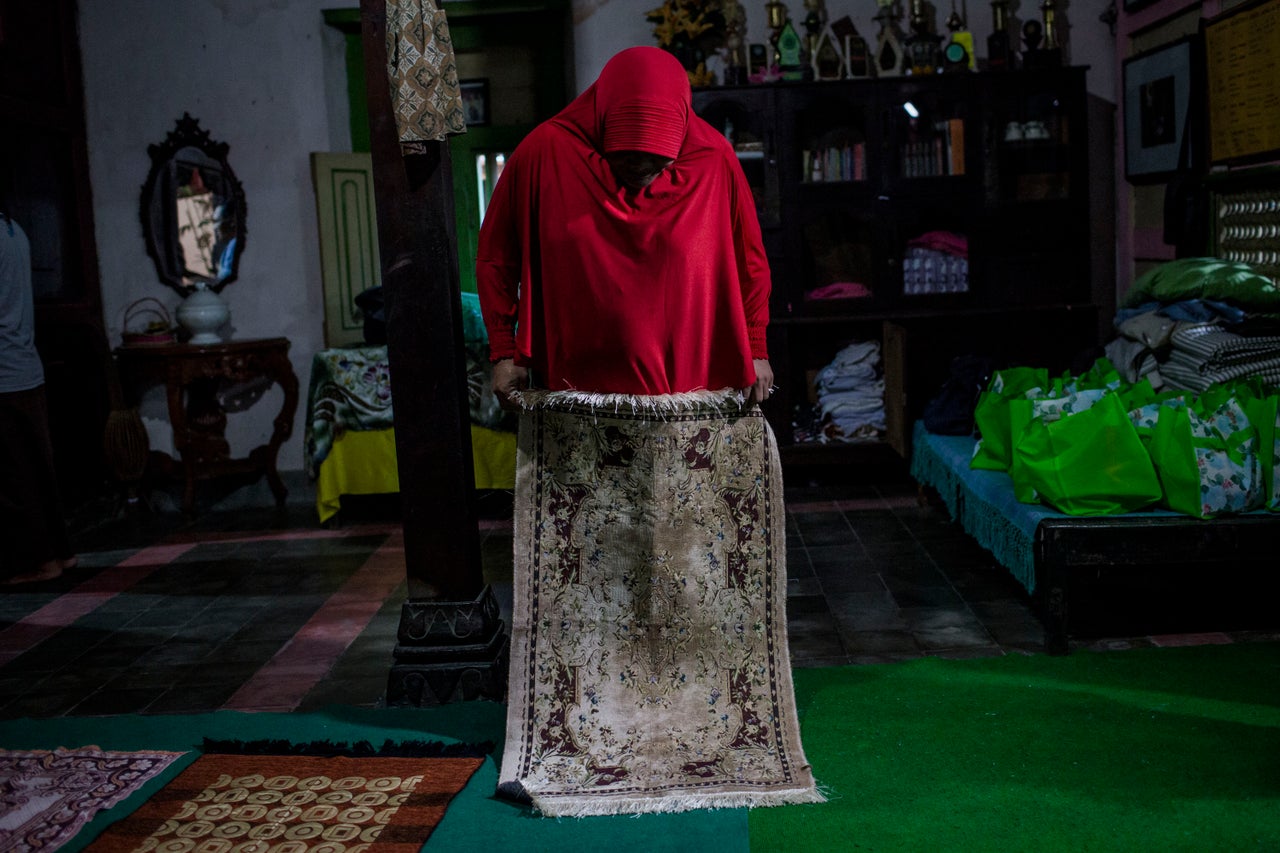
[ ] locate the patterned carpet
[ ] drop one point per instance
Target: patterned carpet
(47, 796)
(649, 662)
(334, 803)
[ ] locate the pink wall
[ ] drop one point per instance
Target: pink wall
(1138, 242)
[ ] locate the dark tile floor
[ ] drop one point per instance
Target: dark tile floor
(251, 607)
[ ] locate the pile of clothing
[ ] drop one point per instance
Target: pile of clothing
(1196, 322)
(850, 393)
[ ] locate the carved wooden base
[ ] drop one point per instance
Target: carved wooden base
(449, 651)
(196, 378)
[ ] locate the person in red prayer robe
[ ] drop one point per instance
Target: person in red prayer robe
(621, 252)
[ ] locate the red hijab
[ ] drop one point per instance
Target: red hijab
(598, 287)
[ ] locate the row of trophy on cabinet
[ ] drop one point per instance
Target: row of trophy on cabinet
(834, 50)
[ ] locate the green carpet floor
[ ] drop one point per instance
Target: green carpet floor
(1141, 750)
(1150, 749)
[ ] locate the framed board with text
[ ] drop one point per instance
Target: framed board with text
(1242, 64)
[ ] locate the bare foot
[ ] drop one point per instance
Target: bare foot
(47, 572)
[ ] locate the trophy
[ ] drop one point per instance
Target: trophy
(1046, 54)
(889, 54)
(814, 20)
(790, 48)
(857, 59)
(775, 12)
(958, 54)
(735, 27)
(999, 51)
(922, 44)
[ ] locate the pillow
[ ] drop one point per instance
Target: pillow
(1205, 278)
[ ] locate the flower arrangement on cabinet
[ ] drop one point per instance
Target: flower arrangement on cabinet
(692, 31)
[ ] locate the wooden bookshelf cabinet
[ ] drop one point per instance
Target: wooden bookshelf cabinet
(846, 173)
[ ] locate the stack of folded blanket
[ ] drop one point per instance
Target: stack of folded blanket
(1204, 353)
(850, 394)
(1194, 322)
(1193, 344)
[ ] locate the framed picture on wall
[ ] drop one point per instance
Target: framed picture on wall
(1157, 96)
(475, 101)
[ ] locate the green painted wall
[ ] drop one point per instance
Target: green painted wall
(476, 27)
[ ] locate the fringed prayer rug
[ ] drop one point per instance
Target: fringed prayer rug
(47, 796)
(272, 797)
(649, 661)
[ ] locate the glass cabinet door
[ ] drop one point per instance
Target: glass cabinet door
(1029, 124)
(929, 130)
(745, 117)
(830, 162)
(1036, 187)
(832, 143)
(932, 161)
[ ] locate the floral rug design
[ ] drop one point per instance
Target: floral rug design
(47, 796)
(649, 661)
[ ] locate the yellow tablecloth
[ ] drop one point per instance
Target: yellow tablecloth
(363, 462)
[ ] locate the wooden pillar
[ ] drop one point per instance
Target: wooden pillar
(450, 643)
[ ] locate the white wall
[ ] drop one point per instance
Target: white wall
(268, 78)
(264, 76)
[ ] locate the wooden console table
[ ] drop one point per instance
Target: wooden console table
(193, 376)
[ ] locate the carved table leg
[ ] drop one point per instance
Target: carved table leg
(283, 427)
(264, 458)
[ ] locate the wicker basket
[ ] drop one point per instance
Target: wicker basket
(156, 331)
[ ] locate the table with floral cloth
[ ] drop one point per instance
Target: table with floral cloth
(350, 440)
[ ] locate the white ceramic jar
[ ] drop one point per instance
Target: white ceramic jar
(202, 314)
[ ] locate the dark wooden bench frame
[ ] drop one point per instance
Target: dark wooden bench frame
(1069, 549)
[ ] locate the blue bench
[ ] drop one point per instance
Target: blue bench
(1045, 550)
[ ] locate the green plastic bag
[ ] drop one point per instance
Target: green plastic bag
(1088, 463)
(1264, 414)
(1144, 408)
(1138, 394)
(1021, 413)
(1207, 459)
(996, 423)
(1050, 409)
(1046, 410)
(1259, 402)
(1102, 374)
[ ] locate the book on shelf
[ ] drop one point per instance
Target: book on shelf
(832, 164)
(955, 138)
(940, 154)
(922, 159)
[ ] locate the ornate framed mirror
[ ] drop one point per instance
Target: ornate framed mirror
(193, 210)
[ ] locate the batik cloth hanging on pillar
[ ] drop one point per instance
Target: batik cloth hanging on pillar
(649, 661)
(423, 74)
